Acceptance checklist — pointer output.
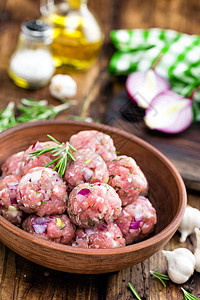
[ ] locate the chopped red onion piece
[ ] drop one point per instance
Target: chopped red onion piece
(34, 145)
(142, 87)
(134, 225)
(84, 192)
(88, 173)
(40, 228)
(13, 185)
(102, 227)
(41, 221)
(13, 200)
(1, 205)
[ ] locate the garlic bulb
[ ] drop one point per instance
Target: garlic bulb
(62, 86)
(191, 220)
(181, 264)
(197, 250)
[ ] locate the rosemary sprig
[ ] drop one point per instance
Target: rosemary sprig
(134, 291)
(159, 276)
(32, 110)
(7, 117)
(62, 152)
(188, 296)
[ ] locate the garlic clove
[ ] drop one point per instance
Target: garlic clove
(197, 250)
(181, 264)
(190, 221)
(62, 86)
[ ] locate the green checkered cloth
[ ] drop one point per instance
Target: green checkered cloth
(138, 49)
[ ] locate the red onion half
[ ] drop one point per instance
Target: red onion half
(169, 113)
(142, 87)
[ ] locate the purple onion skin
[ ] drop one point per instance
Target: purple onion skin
(84, 192)
(134, 225)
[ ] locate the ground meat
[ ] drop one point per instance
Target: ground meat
(8, 190)
(42, 191)
(12, 214)
(13, 164)
(89, 205)
(126, 178)
(87, 167)
(99, 142)
(8, 202)
(30, 162)
(137, 220)
(105, 236)
(56, 228)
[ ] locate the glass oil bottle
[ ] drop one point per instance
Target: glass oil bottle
(77, 36)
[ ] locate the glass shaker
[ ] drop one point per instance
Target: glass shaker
(31, 66)
(77, 36)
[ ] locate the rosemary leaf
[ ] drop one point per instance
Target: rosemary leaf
(188, 296)
(134, 291)
(63, 153)
(159, 276)
(7, 117)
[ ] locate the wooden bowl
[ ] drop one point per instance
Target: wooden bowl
(167, 194)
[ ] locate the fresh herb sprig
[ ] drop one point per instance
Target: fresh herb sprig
(62, 152)
(188, 296)
(30, 111)
(134, 291)
(159, 276)
(7, 117)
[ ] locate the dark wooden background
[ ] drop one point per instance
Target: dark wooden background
(21, 279)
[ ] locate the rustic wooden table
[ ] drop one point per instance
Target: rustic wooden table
(21, 279)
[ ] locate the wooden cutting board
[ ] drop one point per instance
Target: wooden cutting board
(182, 149)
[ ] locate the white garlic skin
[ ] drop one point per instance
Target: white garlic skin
(197, 250)
(62, 86)
(191, 220)
(181, 264)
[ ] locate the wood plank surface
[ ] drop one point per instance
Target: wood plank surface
(21, 279)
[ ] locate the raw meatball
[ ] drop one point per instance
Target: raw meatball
(89, 205)
(13, 164)
(137, 220)
(56, 228)
(106, 236)
(12, 214)
(30, 162)
(126, 178)
(99, 142)
(8, 202)
(87, 167)
(42, 191)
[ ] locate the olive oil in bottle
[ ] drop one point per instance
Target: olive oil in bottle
(77, 35)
